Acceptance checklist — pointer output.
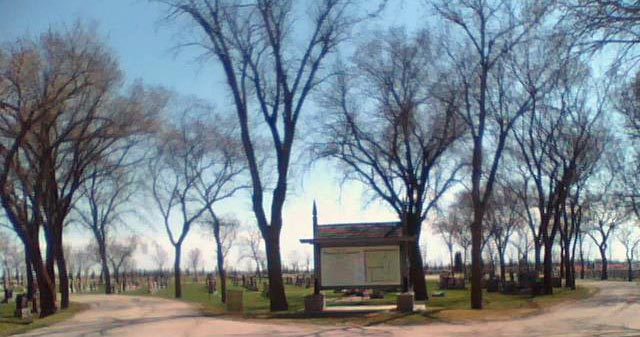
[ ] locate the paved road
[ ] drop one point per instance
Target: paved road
(614, 311)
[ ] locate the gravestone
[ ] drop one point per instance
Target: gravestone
(510, 288)
(448, 281)
(235, 300)
(8, 295)
(405, 302)
(314, 303)
(22, 307)
(493, 285)
(211, 284)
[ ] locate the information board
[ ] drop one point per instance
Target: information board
(360, 266)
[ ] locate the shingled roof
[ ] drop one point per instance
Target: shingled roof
(367, 230)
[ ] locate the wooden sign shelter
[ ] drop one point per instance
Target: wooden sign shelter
(360, 255)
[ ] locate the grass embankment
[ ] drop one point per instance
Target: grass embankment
(453, 307)
(10, 325)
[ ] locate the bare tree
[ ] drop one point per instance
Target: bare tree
(600, 23)
(264, 65)
(490, 30)
(225, 232)
(160, 257)
(307, 261)
(629, 238)
(523, 244)
(628, 104)
(393, 127)
(445, 227)
(604, 212)
(504, 217)
(113, 181)
(253, 251)
(195, 259)
(294, 261)
(74, 116)
(196, 165)
(559, 143)
(81, 259)
(12, 257)
(120, 254)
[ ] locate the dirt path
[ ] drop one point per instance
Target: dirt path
(614, 311)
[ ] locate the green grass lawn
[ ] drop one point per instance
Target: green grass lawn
(454, 306)
(10, 325)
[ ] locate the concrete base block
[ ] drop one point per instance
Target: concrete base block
(314, 303)
(405, 302)
(235, 301)
(24, 313)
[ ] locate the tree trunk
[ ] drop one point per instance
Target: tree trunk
(582, 266)
(464, 264)
(562, 257)
(604, 273)
(27, 262)
(476, 261)
(568, 266)
(277, 296)
(176, 271)
(630, 270)
(58, 256)
(548, 267)
(566, 244)
(64, 279)
(105, 268)
(46, 284)
(416, 271)
(537, 246)
(503, 272)
(576, 234)
(416, 266)
(452, 267)
(220, 260)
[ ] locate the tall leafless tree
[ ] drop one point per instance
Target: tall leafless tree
(160, 257)
(196, 166)
(489, 31)
(445, 228)
(253, 250)
(63, 111)
(393, 127)
(225, 231)
(269, 70)
(628, 236)
(120, 253)
(194, 261)
(504, 217)
(604, 212)
(112, 181)
(628, 105)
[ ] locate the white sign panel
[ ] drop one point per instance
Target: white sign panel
(360, 266)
